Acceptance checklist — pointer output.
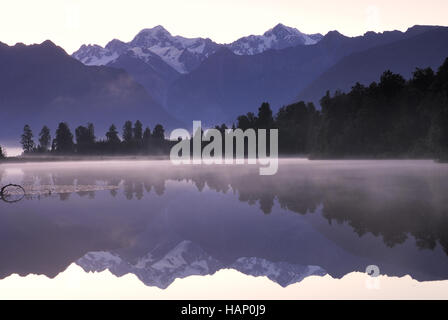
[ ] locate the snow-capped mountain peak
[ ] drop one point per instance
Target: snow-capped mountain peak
(150, 37)
(182, 54)
(279, 37)
(95, 55)
(117, 46)
(281, 31)
(185, 54)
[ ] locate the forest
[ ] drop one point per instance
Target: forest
(391, 118)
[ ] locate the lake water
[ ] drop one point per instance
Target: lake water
(162, 222)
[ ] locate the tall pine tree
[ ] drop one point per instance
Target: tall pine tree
(26, 140)
(63, 143)
(127, 133)
(44, 139)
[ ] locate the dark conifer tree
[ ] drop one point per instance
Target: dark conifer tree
(158, 133)
(26, 140)
(158, 139)
(91, 129)
(265, 119)
(147, 139)
(63, 142)
(112, 136)
(127, 133)
(138, 132)
(44, 139)
(296, 124)
(248, 121)
(85, 139)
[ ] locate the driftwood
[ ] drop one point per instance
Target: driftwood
(12, 193)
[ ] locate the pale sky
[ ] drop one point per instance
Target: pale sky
(70, 23)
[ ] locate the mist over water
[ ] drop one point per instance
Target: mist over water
(12, 151)
(162, 222)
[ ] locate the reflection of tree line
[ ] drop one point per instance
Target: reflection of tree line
(133, 187)
(386, 205)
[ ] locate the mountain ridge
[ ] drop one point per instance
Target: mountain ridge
(186, 259)
(422, 50)
(172, 49)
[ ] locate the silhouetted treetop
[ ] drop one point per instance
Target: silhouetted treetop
(44, 139)
(26, 140)
(63, 142)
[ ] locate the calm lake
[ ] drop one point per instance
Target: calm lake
(162, 222)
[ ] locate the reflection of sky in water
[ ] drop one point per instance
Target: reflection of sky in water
(161, 222)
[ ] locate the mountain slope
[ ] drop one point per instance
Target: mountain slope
(149, 70)
(41, 84)
(422, 51)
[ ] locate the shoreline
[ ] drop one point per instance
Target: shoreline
(79, 158)
(166, 157)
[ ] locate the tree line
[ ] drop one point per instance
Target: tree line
(134, 140)
(390, 118)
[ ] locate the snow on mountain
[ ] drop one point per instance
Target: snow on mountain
(95, 55)
(187, 259)
(172, 49)
(185, 54)
(281, 272)
(279, 37)
(182, 54)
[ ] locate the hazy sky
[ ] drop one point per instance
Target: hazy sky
(70, 23)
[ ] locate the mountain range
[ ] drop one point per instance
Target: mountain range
(187, 259)
(185, 54)
(217, 82)
(155, 58)
(158, 77)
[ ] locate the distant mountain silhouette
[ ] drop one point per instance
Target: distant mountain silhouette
(226, 85)
(428, 49)
(41, 84)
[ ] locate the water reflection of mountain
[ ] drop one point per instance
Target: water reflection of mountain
(395, 209)
(187, 259)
